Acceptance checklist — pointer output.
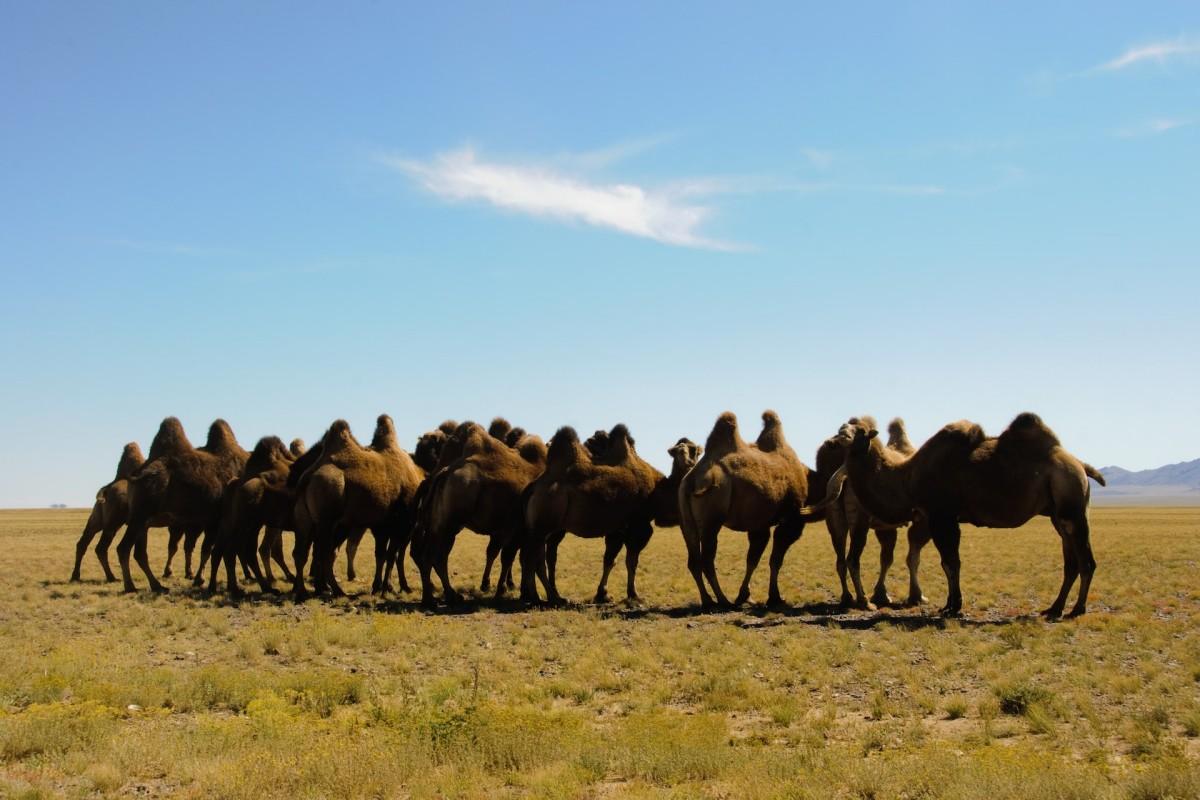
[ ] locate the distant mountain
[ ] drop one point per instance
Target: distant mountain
(1185, 473)
(1174, 484)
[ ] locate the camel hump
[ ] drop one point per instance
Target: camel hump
(339, 439)
(385, 434)
(898, 437)
(564, 449)
(532, 449)
(267, 453)
(476, 440)
(499, 428)
(131, 461)
(724, 436)
(514, 436)
(771, 438)
(170, 439)
(620, 445)
(597, 444)
(297, 447)
(448, 426)
(1028, 434)
(865, 420)
(220, 437)
(830, 455)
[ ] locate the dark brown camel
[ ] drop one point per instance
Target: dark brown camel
(181, 485)
(592, 498)
(962, 475)
(352, 487)
(250, 502)
(745, 487)
(847, 517)
(111, 511)
(481, 491)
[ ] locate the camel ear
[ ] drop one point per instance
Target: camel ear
(871, 434)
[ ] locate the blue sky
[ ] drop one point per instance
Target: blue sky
(647, 213)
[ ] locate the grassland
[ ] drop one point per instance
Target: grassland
(103, 695)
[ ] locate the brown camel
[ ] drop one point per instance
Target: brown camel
(352, 487)
(481, 490)
(180, 484)
(255, 499)
(846, 516)
(111, 511)
(605, 497)
(745, 487)
(962, 475)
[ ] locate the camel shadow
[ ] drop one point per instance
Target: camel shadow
(824, 615)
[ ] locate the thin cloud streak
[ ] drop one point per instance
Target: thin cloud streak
(1152, 127)
(461, 175)
(1157, 52)
(167, 248)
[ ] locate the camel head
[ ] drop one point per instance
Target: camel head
(684, 454)
(429, 449)
(860, 437)
(597, 444)
(499, 428)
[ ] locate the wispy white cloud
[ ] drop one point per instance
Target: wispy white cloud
(1157, 52)
(818, 158)
(1152, 127)
(542, 191)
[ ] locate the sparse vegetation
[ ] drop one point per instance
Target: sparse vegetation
(104, 695)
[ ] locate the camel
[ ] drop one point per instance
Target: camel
(744, 487)
(180, 484)
(963, 475)
(351, 487)
(256, 498)
(606, 497)
(847, 516)
(481, 490)
(111, 511)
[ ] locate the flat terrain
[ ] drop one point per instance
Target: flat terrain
(104, 695)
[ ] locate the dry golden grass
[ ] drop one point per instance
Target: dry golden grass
(103, 695)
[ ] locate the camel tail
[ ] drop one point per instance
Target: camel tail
(833, 492)
(1094, 474)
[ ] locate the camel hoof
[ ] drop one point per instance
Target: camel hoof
(1051, 612)
(846, 602)
(76, 579)
(187, 575)
(601, 598)
(741, 599)
(558, 601)
(865, 605)
(633, 601)
(160, 589)
(776, 602)
(129, 590)
(454, 598)
(947, 611)
(915, 600)
(1077, 611)
(881, 600)
(485, 586)
(166, 573)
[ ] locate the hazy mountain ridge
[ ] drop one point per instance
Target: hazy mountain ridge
(1185, 473)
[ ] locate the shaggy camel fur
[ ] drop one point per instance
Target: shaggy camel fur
(251, 501)
(180, 484)
(350, 488)
(962, 475)
(481, 490)
(846, 516)
(745, 487)
(111, 511)
(606, 497)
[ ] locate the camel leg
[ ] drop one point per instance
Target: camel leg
(756, 545)
(206, 548)
(493, 549)
(441, 559)
(351, 551)
(507, 555)
(264, 576)
(533, 567)
(143, 561)
(612, 545)
(300, 548)
(383, 542)
(918, 537)
(858, 542)
(173, 536)
(785, 536)
(838, 530)
(887, 555)
(329, 555)
(93, 526)
(708, 563)
(1081, 539)
(277, 555)
(1070, 568)
(189, 547)
(124, 548)
(635, 543)
(265, 545)
(552, 543)
(691, 540)
(946, 534)
(106, 538)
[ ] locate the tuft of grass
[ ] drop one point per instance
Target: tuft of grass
(1018, 697)
(956, 708)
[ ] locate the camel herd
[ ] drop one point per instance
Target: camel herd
(525, 496)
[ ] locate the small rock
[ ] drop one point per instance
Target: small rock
(133, 707)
